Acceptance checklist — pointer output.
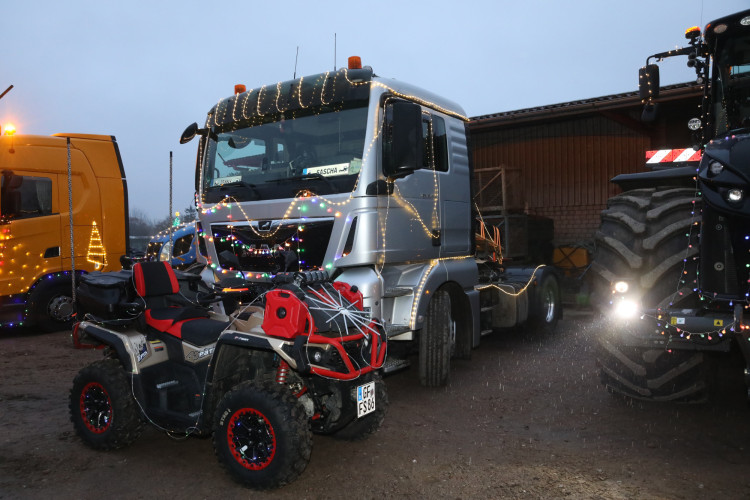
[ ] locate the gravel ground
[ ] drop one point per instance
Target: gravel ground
(525, 418)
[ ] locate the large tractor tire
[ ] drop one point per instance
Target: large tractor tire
(651, 237)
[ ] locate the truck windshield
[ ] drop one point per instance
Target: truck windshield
(732, 86)
(318, 149)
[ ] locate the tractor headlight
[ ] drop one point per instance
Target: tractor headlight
(621, 287)
(735, 195)
(626, 308)
(715, 167)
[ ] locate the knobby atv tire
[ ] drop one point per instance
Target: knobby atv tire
(650, 236)
(436, 341)
(103, 411)
(362, 428)
(262, 435)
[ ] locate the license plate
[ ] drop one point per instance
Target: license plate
(365, 399)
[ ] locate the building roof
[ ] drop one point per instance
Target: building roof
(583, 106)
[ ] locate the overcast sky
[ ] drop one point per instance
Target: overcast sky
(144, 73)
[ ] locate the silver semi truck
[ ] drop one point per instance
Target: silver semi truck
(369, 180)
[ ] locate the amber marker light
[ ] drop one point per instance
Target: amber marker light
(355, 62)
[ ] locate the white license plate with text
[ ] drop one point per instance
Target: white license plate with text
(365, 399)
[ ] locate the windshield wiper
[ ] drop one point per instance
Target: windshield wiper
(306, 177)
(251, 187)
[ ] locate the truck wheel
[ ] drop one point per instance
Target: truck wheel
(547, 303)
(51, 306)
(362, 428)
(436, 341)
(102, 408)
(649, 236)
(262, 435)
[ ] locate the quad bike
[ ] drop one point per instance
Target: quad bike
(299, 355)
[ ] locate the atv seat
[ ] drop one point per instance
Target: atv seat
(169, 312)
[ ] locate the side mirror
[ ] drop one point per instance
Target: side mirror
(648, 82)
(650, 112)
(190, 132)
(402, 145)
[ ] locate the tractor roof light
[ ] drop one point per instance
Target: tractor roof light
(692, 32)
(239, 89)
(10, 129)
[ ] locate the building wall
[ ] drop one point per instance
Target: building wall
(557, 169)
(557, 161)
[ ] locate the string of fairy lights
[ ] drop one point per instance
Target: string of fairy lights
(15, 264)
(305, 200)
(684, 287)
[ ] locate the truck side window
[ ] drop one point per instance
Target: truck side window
(25, 196)
(439, 144)
(436, 143)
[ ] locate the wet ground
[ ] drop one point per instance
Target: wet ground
(525, 418)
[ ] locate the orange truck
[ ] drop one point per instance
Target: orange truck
(41, 177)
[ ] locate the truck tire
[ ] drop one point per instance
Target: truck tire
(362, 428)
(51, 306)
(436, 341)
(545, 311)
(262, 436)
(103, 411)
(650, 236)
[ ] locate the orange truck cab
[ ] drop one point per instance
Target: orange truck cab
(36, 267)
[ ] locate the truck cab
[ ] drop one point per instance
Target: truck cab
(36, 265)
(365, 177)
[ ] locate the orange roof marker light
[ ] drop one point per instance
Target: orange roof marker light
(355, 62)
(239, 89)
(692, 32)
(10, 129)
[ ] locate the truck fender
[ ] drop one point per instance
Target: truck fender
(464, 298)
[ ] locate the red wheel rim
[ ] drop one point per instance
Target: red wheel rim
(251, 439)
(95, 407)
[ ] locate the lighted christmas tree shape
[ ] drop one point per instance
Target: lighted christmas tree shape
(96, 254)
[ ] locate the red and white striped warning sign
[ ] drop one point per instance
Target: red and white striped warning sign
(672, 155)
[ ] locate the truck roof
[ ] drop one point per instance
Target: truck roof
(328, 89)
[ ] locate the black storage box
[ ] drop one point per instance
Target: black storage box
(105, 295)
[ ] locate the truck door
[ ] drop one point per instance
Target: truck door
(29, 228)
(428, 211)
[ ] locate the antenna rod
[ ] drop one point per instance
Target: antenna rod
(334, 52)
(295, 64)
(6, 91)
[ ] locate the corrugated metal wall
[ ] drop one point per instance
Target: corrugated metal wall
(559, 163)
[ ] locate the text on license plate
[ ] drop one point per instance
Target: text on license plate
(365, 399)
